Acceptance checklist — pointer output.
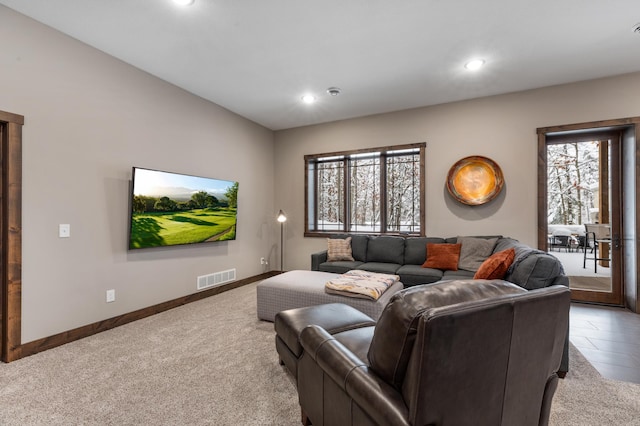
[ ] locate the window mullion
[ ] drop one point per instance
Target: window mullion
(423, 189)
(316, 196)
(347, 194)
(383, 192)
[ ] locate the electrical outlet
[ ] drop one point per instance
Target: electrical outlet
(111, 296)
(263, 261)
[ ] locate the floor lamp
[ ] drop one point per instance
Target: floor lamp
(282, 218)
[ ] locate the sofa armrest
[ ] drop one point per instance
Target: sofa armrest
(317, 259)
(368, 391)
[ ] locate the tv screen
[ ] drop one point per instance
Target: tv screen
(170, 209)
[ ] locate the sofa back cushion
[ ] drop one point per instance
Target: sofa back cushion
(415, 249)
(505, 243)
(474, 251)
(358, 246)
(385, 249)
(532, 268)
(454, 240)
(395, 331)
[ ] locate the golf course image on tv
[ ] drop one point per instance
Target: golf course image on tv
(170, 209)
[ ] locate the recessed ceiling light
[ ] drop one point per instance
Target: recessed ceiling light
(184, 2)
(474, 65)
(308, 99)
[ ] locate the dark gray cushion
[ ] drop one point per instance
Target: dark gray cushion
(416, 274)
(453, 240)
(358, 246)
(531, 268)
(458, 275)
(339, 267)
(415, 249)
(534, 269)
(507, 243)
(385, 249)
(382, 268)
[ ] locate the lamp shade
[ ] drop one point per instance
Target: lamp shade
(282, 217)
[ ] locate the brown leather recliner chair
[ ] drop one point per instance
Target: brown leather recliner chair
(444, 354)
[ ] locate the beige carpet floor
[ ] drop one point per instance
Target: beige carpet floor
(213, 363)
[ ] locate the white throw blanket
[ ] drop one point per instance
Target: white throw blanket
(362, 284)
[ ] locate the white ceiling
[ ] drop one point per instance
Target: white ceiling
(258, 57)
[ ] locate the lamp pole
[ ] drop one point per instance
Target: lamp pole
(282, 218)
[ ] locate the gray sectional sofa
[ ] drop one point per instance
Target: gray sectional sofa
(404, 256)
(531, 269)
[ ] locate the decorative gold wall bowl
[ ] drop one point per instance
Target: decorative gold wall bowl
(475, 180)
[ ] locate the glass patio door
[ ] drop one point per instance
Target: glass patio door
(583, 212)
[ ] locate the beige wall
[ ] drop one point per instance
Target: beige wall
(88, 119)
(500, 127)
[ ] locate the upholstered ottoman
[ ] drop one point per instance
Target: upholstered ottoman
(297, 289)
(333, 317)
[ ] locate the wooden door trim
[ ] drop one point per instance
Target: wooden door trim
(600, 128)
(620, 122)
(11, 236)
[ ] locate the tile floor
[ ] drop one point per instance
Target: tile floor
(609, 338)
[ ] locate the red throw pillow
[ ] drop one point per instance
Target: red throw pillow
(442, 256)
(496, 266)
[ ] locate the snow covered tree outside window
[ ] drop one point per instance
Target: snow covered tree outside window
(331, 194)
(403, 194)
(367, 191)
(572, 182)
(364, 188)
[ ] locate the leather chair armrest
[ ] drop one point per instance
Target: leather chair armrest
(315, 340)
(375, 397)
(317, 259)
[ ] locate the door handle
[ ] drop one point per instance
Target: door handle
(616, 242)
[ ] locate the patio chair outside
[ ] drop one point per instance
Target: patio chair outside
(596, 234)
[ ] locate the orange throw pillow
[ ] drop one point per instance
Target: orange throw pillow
(496, 266)
(442, 256)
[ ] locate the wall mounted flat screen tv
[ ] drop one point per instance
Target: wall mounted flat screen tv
(170, 209)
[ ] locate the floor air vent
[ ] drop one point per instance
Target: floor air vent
(215, 279)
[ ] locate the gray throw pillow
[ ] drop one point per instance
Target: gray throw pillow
(474, 251)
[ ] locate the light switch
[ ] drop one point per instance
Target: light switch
(64, 231)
